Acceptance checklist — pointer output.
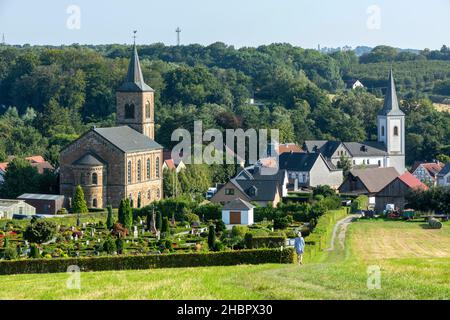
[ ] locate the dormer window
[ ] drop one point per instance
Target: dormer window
(252, 191)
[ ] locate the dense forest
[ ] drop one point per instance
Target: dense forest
(51, 95)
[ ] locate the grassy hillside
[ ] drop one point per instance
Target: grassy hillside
(414, 263)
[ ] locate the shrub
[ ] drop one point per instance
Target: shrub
(165, 226)
(239, 231)
(212, 238)
(158, 220)
(265, 242)
(10, 253)
(220, 226)
(34, 252)
(109, 245)
(109, 218)
(191, 217)
(39, 231)
(360, 203)
(210, 211)
(325, 191)
(119, 245)
(282, 222)
(332, 202)
(127, 262)
(79, 202)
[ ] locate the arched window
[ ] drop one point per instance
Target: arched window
(94, 203)
(149, 194)
(94, 178)
(157, 167)
(139, 170)
(148, 168)
(82, 178)
(147, 110)
(139, 200)
(395, 131)
(129, 111)
(129, 172)
(382, 131)
(158, 193)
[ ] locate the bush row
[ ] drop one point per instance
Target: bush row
(318, 240)
(253, 242)
(177, 260)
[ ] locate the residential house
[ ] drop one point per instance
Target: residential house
(387, 151)
(238, 212)
(443, 177)
(37, 162)
(44, 203)
(396, 190)
(309, 170)
(9, 208)
(368, 181)
(169, 164)
(427, 172)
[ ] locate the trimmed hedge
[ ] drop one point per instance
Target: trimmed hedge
(319, 239)
(178, 260)
(265, 242)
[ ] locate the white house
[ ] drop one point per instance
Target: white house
(238, 212)
(443, 177)
(9, 207)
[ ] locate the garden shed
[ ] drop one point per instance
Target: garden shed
(238, 212)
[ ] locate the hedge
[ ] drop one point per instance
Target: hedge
(177, 260)
(319, 239)
(265, 242)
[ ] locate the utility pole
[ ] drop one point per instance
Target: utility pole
(178, 31)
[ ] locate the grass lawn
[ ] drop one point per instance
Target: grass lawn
(414, 263)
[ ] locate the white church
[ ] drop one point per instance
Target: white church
(387, 151)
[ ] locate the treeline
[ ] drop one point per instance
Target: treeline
(49, 96)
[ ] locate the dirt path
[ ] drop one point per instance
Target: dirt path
(339, 232)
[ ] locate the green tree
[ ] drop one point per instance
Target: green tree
(110, 217)
(128, 214)
(20, 178)
(158, 220)
(39, 231)
(79, 202)
(165, 226)
(212, 238)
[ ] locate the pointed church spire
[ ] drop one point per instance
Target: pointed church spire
(390, 106)
(134, 80)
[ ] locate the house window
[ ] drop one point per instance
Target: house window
(139, 170)
(94, 179)
(395, 131)
(94, 203)
(129, 111)
(304, 177)
(129, 172)
(157, 167)
(379, 163)
(448, 179)
(148, 169)
(368, 161)
(364, 161)
(229, 192)
(147, 110)
(382, 131)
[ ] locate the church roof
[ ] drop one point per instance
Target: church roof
(390, 107)
(134, 81)
(89, 160)
(127, 139)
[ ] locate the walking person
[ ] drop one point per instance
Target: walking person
(299, 245)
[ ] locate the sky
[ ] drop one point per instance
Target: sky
(414, 24)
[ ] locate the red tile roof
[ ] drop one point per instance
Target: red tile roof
(169, 163)
(36, 161)
(289, 147)
(412, 182)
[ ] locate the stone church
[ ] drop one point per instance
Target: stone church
(120, 162)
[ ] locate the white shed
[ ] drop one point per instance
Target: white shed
(238, 212)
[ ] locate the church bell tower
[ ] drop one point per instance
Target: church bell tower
(391, 128)
(135, 100)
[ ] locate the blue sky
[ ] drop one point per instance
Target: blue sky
(401, 23)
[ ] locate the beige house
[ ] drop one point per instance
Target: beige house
(9, 207)
(119, 162)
